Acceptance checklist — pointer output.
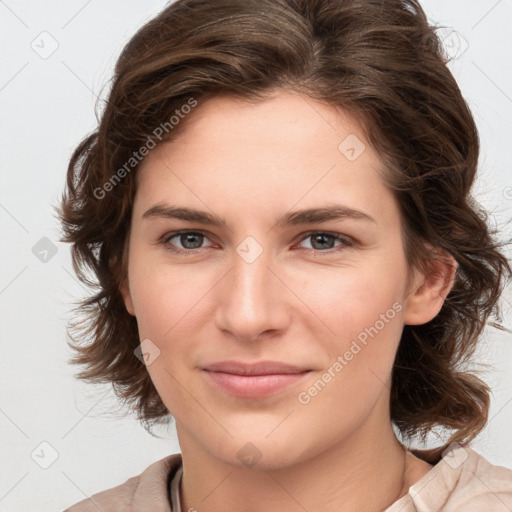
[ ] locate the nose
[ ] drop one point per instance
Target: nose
(252, 300)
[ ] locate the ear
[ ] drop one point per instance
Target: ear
(430, 288)
(124, 288)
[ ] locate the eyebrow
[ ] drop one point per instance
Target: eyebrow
(298, 217)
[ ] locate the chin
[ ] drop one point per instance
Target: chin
(260, 453)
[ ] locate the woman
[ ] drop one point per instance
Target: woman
(276, 205)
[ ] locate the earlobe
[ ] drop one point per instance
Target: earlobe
(430, 289)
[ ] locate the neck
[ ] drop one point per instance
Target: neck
(366, 471)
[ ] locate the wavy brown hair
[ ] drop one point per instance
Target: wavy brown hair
(379, 60)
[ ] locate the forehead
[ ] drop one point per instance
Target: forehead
(286, 149)
(255, 123)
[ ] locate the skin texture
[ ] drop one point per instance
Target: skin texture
(298, 302)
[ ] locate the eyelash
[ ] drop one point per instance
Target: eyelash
(346, 242)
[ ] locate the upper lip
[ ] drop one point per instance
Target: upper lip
(258, 368)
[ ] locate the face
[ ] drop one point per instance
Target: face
(324, 293)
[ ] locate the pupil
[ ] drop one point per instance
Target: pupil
(185, 238)
(315, 237)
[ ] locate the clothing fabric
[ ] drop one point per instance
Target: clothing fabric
(462, 481)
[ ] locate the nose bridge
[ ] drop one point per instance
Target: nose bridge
(251, 303)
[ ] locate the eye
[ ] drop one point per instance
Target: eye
(189, 240)
(322, 241)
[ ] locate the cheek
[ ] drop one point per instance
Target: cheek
(363, 308)
(367, 322)
(170, 306)
(351, 298)
(166, 298)
(165, 305)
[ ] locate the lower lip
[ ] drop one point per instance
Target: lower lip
(254, 386)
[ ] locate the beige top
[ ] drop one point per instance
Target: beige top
(462, 481)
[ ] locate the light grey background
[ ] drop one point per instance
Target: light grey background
(47, 107)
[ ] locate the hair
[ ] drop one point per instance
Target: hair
(378, 60)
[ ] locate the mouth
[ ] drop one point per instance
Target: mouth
(256, 380)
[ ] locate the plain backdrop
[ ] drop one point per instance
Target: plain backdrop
(60, 441)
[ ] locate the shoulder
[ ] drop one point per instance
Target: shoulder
(480, 484)
(464, 481)
(148, 490)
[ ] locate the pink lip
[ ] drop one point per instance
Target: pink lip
(254, 380)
